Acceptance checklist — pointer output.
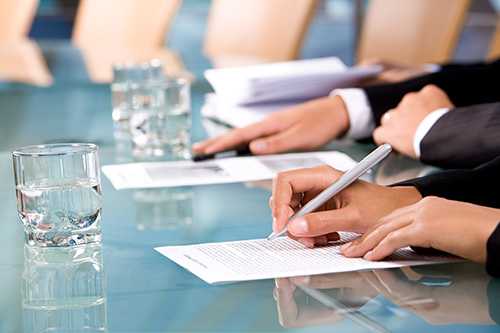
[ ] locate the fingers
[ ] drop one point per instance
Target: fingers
(394, 231)
(371, 239)
(325, 222)
(293, 138)
(380, 135)
(383, 133)
(386, 117)
(312, 242)
(394, 241)
(287, 184)
(240, 136)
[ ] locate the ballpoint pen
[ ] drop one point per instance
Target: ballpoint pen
(241, 151)
(345, 180)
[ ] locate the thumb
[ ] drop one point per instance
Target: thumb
(326, 222)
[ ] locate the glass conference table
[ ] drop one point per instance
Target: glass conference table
(135, 289)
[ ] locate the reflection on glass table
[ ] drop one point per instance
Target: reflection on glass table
(456, 294)
(64, 289)
(165, 208)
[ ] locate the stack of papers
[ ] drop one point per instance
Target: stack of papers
(226, 170)
(292, 80)
(235, 115)
(283, 257)
(244, 95)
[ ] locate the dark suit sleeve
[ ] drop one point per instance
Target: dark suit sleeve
(493, 255)
(464, 137)
(478, 186)
(464, 84)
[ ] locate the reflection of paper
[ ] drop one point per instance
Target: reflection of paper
(227, 170)
(283, 257)
(300, 79)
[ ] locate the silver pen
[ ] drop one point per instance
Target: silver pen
(372, 159)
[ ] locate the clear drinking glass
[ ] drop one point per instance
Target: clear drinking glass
(160, 122)
(59, 193)
(64, 289)
(125, 76)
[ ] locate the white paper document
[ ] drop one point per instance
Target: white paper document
(300, 79)
(240, 115)
(283, 257)
(225, 170)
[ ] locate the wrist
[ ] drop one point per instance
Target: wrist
(339, 109)
(406, 195)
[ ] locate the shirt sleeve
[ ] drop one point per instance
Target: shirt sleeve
(425, 126)
(361, 122)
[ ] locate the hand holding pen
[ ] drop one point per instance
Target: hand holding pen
(355, 208)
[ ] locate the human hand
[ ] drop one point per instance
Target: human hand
(303, 127)
(355, 209)
(455, 227)
(398, 126)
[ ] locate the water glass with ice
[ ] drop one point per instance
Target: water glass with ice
(59, 194)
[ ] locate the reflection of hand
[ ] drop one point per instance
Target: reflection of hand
(398, 126)
(455, 227)
(355, 209)
(303, 127)
(464, 301)
(293, 314)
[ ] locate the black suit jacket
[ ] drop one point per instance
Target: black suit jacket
(479, 186)
(466, 136)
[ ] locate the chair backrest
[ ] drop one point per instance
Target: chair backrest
(270, 30)
(123, 23)
(495, 44)
(16, 17)
(412, 31)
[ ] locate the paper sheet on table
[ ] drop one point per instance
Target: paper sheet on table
(300, 79)
(283, 257)
(226, 170)
(240, 115)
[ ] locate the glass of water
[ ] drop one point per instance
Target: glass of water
(125, 76)
(59, 193)
(160, 121)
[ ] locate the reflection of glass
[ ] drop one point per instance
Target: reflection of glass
(64, 289)
(165, 208)
(160, 121)
(59, 193)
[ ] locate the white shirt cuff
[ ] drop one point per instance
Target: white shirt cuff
(425, 126)
(361, 123)
(431, 68)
